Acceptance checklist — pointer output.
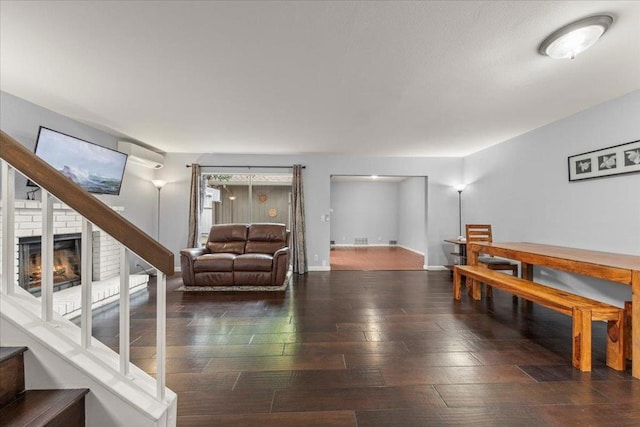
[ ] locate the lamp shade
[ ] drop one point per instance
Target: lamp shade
(158, 183)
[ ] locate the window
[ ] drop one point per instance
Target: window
(245, 198)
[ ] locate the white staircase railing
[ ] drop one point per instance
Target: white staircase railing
(15, 157)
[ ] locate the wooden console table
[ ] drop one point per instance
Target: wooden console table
(613, 267)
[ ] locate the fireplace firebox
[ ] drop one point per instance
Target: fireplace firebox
(66, 262)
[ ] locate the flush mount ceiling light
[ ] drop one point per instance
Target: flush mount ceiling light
(574, 38)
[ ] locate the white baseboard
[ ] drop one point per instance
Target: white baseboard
(411, 250)
(436, 268)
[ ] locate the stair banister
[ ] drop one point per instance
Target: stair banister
(94, 211)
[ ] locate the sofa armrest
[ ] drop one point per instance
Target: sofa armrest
(187, 256)
(192, 253)
(280, 265)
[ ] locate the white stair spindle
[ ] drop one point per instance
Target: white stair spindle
(46, 259)
(86, 256)
(8, 230)
(161, 333)
(124, 311)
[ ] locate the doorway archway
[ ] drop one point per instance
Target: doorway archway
(378, 222)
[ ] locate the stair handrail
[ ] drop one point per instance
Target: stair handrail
(90, 207)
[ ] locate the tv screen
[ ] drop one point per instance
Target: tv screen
(95, 168)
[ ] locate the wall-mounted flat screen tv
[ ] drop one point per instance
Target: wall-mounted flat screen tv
(95, 168)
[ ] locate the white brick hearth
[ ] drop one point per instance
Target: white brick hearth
(106, 255)
(67, 301)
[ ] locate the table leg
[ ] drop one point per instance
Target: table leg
(527, 273)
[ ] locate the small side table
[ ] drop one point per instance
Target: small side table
(460, 251)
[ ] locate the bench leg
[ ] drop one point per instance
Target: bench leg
(615, 342)
(476, 290)
(514, 272)
(457, 284)
(627, 331)
(582, 339)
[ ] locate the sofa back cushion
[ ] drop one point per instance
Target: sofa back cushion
(266, 238)
(227, 238)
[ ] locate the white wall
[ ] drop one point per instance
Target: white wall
(412, 208)
(21, 120)
(364, 209)
(521, 187)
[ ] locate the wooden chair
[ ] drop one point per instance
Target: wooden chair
(482, 233)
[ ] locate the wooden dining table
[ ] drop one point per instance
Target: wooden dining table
(619, 268)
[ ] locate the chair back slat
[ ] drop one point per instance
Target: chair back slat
(478, 233)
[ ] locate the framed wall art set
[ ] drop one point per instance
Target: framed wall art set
(616, 160)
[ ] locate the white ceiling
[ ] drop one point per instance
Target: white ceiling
(375, 78)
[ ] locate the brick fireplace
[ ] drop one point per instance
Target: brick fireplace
(67, 226)
(66, 262)
(28, 223)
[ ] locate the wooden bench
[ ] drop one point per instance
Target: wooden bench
(582, 310)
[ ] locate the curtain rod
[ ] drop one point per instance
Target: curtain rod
(247, 167)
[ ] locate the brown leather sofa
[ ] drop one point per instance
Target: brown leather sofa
(239, 254)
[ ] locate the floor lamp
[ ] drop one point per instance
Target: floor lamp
(460, 188)
(158, 183)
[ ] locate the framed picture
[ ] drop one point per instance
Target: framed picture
(616, 160)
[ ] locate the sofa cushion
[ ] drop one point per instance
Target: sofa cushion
(226, 247)
(227, 238)
(214, 262)
(253, 262)
(265, 238)
(252, 278)
(214, 278)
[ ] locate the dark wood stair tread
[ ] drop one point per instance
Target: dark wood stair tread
(11, 374)
(39, 407)
(7, 353)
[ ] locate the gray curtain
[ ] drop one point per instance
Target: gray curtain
(195, 206)
(299, 249)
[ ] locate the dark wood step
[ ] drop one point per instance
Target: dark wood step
(7, 353)
(53, 408)
(11, 373)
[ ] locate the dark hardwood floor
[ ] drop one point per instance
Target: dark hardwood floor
(350, 348)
